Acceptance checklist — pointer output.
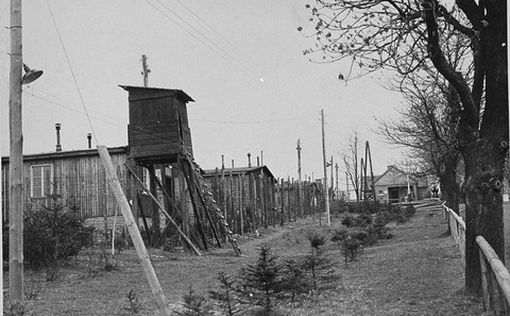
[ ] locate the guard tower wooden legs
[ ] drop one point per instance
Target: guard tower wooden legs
(201, 200)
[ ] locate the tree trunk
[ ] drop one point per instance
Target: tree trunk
(448, 180)
(484, 208)
(485, 152)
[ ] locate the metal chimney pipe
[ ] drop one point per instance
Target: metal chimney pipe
(249, 160)
(262, 157)
(57, 128)
(258, 161)
(89, 140)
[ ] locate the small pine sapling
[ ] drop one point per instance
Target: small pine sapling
(134, 305)
(339, 236)
(316, 241)
(226, 297)
(315, 262)
(194, 305)
(295, 281)
(351, 249)
(262, 280)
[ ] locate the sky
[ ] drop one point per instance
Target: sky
(241, 61)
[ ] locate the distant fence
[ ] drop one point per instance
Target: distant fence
(495, 276)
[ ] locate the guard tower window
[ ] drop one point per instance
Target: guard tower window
(41, 179)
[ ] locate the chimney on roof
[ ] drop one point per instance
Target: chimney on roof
(89, 140)
(258, 161)
(232, 163)
(262, 157)
(249, 160)
(57, 128)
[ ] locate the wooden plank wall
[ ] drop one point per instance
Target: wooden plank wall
(79, 180)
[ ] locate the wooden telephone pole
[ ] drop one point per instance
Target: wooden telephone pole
(332, 182)
(15, 160)
(300, 186)
(145, 71)
(326, 193)
(337, 192)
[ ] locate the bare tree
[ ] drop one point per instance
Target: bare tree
(350, 158)
(409, 36)
(429, 126)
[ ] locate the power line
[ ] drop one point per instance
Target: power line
(255, 121)
(72, 72)
(221, 52)
(215, 48)
(208, 26)
(61, 101)
(111, 122)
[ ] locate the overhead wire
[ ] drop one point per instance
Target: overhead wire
(72, 72)
(213, 46)
(102, 119)
(208, 26)
(221, 52)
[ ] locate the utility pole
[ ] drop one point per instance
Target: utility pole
(300, 187)
(336, 176)
(326, 193)
(371, 170)
(145, 71)
(332, 182)
(15, 160)
(348, 194)
(362, 181)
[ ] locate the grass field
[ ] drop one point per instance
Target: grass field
(418, 272)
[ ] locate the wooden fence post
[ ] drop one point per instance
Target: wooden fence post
(129, 221)
(241, 201)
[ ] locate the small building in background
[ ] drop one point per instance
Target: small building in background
(396, 185)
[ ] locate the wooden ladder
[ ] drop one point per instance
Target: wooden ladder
(205, 197)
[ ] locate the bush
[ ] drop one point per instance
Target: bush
(363, 220)
(348, 221)
(52, 234)
(360, 235)
(410, 210)
(316, 240)
(351, 249)
(339, 235)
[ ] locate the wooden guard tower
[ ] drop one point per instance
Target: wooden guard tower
(159, 138)
(158, 124)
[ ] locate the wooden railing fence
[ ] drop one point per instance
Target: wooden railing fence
(457, 229)
(494, 274)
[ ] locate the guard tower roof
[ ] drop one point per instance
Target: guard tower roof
(180, 94)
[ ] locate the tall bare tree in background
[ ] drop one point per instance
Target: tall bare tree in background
(409, 36)
(429, 127)
(350, 158)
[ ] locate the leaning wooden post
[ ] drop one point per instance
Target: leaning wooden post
(129, 221)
